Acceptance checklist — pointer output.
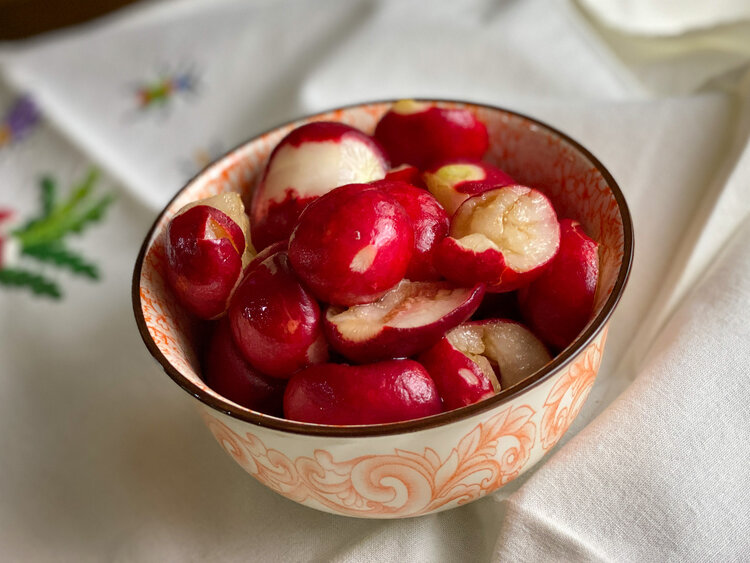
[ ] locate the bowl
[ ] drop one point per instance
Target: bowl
(414, 467)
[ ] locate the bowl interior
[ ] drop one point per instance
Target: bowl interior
(531, 152)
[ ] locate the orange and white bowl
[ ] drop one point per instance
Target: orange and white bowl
(421, 466)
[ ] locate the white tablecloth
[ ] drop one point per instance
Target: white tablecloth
(103, 456)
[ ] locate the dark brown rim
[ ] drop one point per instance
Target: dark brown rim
(538, 378)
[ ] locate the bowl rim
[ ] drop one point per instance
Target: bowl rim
(558, 363)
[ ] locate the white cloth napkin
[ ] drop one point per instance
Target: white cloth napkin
(662, 474)
(667, 17)
(104, 458)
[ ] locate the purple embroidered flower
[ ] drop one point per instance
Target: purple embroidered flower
(20, 119)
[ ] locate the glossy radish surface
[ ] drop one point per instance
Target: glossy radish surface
(352, 245)
(275, 321)
(461, 379)
(206, 252)
(429, 222)
(230, 375)
(559, 303)
(378, 393)
(419, 133)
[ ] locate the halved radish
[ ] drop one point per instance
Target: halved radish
(309, 162)
(503, 238)
(207, 248)
(478, 358)
(454, 181)
(405, 321)
(461, 379)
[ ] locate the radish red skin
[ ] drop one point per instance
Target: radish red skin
(558, 305)
(459, 380)
(494, 177)
(275, 321)
(268, 251)
(352, 245)
(430, 134)
(466, 267)
(230, 375)
(393, 342)
(379, 393)
(201, 269)
(275, 208)
(407, 173)
(429, 221)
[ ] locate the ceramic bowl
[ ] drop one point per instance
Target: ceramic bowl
(421, 466)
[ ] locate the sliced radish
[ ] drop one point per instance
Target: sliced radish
(403, 322)
(509, 347)
(462, 378)
(503, 238)
(207, 248)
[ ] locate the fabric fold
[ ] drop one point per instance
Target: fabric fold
(657, 476)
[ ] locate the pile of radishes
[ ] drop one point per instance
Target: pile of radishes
(357, 307)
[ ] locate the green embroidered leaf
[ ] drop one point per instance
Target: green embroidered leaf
(71, 216)
(58, 254)
(93, 214)
(49, 195)
(23, 278)
(80, 192)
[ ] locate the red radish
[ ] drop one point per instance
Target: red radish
(558, 305)
(378, 393)
(207, 248)
(352, 245)
(503, 238)
(275, 321)
(460, 378)
(263, 254)
(406, 320)
(429, 221)
(406, 173)
(498, 351)
(309, 162)
(419, 133)
(454, 181)
(230, 375)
